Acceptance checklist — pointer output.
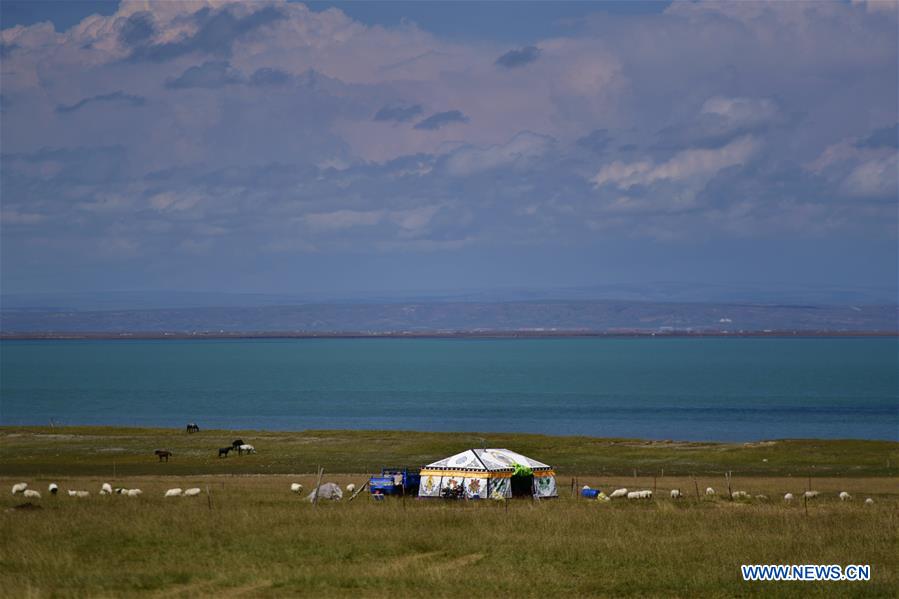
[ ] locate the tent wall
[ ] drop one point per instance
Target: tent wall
(430, 486)
(476, 487)
(500, 487)
(545, 486)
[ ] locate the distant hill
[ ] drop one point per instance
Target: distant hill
(445, 316)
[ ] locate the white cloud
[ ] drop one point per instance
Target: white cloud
(874, 178)
(519, 151)
(12, 216)
(170, 201)
(741, 112)
(343, 219)
(699, 164)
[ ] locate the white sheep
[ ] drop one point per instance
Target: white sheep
(78, 493)
(53, 488)
(192, 492)
(176, 492)
(676, 494)
(844, 496)
(740, 495)
(788, 497)
(134, 492)
(869, 501)
(762, 497)
(618, 493)
(296, 488)
(640, 494)
(106, 489)
(31, 494)
(246, 449)
(350, 488)
(19, 488)
(709, 491)
(810, 494)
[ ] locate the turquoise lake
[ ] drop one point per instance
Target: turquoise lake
(726, 389)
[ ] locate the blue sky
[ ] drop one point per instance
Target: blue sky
(352, 148)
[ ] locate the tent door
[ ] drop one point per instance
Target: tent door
(522, 486)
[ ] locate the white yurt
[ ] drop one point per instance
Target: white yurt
(488, 473)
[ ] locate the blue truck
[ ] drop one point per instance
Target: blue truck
(395, 481)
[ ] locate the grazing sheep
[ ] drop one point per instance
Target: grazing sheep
(350, 488)
(676, 494)
(740, 495)
(134, 492)
(762, 497)
(844, 496)
(78, 493)
(810, 494)
(618, 493)
(788, 497)
(242, 449)
(120, 491)
(18, 488)
(176, 492)
(709, 491)
(106, 489)
(640, 495)
(31, 494)
(296, 488)
(869, 501)
(53, 488)
(192, 492)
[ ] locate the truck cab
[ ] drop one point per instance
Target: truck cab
(395, 481)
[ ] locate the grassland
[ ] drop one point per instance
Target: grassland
(251, 537)
(108, 451)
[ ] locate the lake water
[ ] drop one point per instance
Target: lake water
(726, 389)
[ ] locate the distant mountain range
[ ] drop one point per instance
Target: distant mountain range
(536, 316)
(659, 292)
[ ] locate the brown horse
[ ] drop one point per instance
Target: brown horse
(163, 454)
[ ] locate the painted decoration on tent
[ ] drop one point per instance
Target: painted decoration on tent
(486, 459)
(500, 488)
(450, 482)
(430, 486)
(476, 487)
(545, 486)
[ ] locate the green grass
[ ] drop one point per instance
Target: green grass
(252, 537)
(127, 451)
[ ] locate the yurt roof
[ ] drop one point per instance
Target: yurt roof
(486, 460)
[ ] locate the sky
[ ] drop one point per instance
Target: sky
(357, 148)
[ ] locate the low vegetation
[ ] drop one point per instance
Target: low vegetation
(247, 534)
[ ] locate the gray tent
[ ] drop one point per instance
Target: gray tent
(327, 491)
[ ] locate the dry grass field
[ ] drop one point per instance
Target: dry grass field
(251, 537)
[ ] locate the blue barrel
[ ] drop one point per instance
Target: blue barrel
(590, 493)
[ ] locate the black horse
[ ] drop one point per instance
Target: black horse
(223, 451)
(163, 454)
(236, 443)
(193, 427)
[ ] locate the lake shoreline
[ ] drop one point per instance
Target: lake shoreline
(498, 334)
